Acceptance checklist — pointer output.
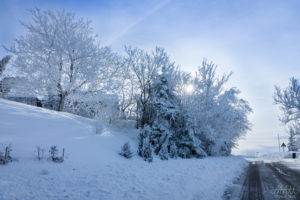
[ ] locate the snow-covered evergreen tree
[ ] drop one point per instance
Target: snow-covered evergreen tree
(167, 130)
(126, 151)
(163, 111)
(143, 68)
(144, 149)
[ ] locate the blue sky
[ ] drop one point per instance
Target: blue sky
(259, 41)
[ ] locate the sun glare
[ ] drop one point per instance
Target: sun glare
(189, 88)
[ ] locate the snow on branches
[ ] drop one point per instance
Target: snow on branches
(59, 60)
(60, 55)
(217, 115)
(289, 101)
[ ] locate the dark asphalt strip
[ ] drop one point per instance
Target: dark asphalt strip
(269, 183)
(261, 180)
(290, 180)
(252, 185)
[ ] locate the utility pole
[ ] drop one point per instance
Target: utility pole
(278, 143)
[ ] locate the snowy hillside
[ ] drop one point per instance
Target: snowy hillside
(93, 169)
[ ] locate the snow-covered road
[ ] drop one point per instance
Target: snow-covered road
(268, 180)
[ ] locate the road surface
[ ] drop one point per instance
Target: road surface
(267, 181)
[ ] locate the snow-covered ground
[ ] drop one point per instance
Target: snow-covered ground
(93, 169)
(292, 163)
(284, 158)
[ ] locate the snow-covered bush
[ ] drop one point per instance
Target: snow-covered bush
(126, 151)
(173, 152)
(5, 156)
(96, 105)
(144, 149)
(54, 154)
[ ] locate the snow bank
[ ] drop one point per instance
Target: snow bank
(284, 158)
(93, 169)
(292, 163)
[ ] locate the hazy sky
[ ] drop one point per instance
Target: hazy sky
(259, 41)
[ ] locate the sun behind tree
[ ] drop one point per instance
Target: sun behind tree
(189, 88)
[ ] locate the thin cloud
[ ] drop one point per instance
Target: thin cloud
(150, 12)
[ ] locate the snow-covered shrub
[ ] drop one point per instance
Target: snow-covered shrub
(163, 153)
(97, 105)
(40, 152)
(126, 151)
(173, 150)
(5, 156)
(144, 149)
(54, 154)
(184, 152)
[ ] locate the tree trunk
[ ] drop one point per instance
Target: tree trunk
(61, 104)
(137, 114)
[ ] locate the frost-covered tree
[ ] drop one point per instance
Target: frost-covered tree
(143, 73)
(289, 101)
(167, 130)
(294, 133)
(143, 68)
(217, 115)
(60, 55)
(127, 91)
